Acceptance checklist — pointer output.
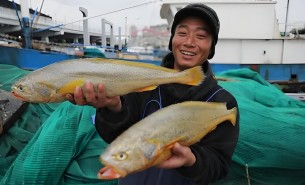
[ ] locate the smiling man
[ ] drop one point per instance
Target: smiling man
(194, 36)
(191, 43)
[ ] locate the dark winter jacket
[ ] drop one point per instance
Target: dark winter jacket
(214, 151)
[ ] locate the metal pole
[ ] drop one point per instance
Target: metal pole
(104, 41)
(120, 40)
(111, 36)
(26, 31)
(86, 27)
(125, 32)
(286, 21)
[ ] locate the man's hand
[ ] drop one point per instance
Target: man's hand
(96, 99)
(181, 156)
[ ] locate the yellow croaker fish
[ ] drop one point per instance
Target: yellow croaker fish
(53, 82)
(143, 146)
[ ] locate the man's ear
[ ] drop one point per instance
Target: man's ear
(212, 51)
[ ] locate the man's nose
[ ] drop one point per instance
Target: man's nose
(190, 41)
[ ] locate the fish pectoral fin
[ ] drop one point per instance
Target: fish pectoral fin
(155, 153)
(149, 88)
(158, 153)
(170, 144)
(165, 152)
(70, 86)
(154, 148)
(150, 150)
(164, 155)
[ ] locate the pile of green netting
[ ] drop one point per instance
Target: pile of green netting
(50, 143)
(271, 146)
(58, 144)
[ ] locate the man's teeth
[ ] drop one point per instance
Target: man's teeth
(188, 53)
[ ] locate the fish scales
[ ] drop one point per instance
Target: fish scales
(185, 123)
(176, 121)
(53, 82)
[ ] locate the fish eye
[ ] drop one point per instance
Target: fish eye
(121, 156)
(20, 88)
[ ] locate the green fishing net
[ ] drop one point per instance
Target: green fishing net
(271, 146)
(57, 143)
(50, 143)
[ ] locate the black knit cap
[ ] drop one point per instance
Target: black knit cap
(203, 12)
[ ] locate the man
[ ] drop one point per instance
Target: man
(194, 34)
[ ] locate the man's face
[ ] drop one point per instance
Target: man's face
(191, 43)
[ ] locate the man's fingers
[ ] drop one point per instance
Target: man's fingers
(90, 94)
(177, 149)
(70, 98)
(101, 94)
(78, 96)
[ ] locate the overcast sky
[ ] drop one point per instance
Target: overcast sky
(68, 11)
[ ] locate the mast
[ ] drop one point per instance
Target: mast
(286, 19)
(85, 26)
(25, 24)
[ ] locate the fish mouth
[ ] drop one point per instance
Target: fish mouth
(17, 96)
(110, 172)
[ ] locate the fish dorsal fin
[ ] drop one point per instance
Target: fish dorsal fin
(70, 86)
(149, 88)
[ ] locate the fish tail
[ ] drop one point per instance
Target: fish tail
(233, 115)
(194, 76)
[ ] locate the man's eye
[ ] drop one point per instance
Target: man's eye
(201, 36)
(181, 33)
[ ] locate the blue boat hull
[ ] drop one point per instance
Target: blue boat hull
(270, 72)
(29, 58)
(34, 59)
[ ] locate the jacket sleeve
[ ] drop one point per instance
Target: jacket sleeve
(214, 152)
(109, 124)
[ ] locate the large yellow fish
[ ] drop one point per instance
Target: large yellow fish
(53, 82)
(143, 146)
